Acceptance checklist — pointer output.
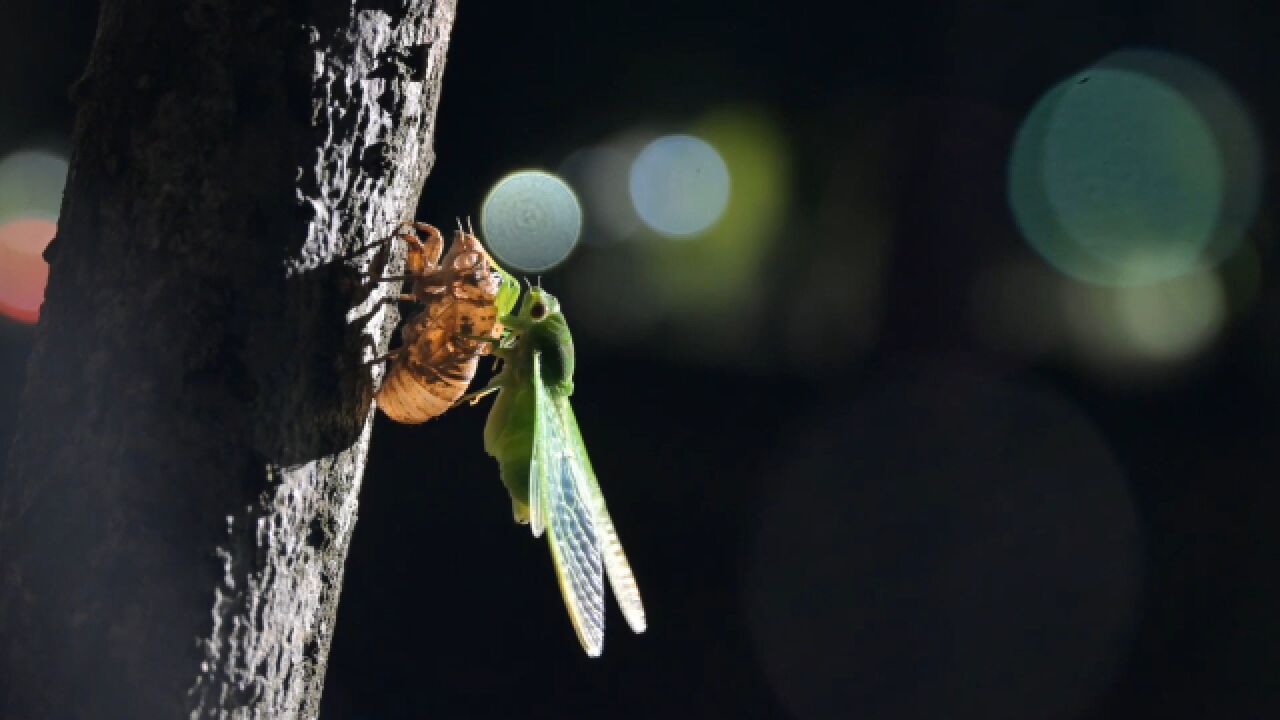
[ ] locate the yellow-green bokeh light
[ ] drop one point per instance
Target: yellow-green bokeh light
(701, 271)
(1121, 329)
(708, 279)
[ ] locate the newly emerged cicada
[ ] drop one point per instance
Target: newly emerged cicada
(441, 345)
(534, 436)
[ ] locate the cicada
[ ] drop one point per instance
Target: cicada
(441, 345)
(532, 433)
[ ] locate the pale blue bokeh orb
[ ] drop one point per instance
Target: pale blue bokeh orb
(679, 185)
(531, 221)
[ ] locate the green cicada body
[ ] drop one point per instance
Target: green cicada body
(532, 433)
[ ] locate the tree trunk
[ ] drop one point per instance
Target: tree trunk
(182, 488)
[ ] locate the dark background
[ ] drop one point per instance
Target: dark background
(838, 503)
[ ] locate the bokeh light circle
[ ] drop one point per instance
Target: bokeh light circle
(599, 174)
(531, 221)
(31, 183)
(23, 272)
(1138, 330)
(947, 545)
(1235, 135)
(1117, 179)
(679, 185)
(1175, 319)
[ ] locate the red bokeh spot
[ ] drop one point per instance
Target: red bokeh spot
(23, 272)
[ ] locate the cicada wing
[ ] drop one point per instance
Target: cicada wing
(559, 474)
(541, 464)
(536, 522)
(621, 579)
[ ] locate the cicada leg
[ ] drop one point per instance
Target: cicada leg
(432, 248)
(354, 252)
(478, 395)
(423, 255)
(391, 355)
(392, 278)
(495, 342)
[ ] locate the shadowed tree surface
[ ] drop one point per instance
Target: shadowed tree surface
(182, 490)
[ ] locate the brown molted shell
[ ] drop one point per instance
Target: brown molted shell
(435, 364)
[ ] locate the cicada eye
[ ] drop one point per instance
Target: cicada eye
(538, 311)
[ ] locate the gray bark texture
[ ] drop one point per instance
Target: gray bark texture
(182, 488)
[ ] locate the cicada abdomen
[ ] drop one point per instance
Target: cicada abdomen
(439, 351)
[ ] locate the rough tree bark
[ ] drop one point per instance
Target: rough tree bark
(182, 489)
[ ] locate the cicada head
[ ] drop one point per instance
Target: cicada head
(538, 305)
(472, 270)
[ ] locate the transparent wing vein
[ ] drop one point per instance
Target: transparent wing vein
(560, 476)
(621, 579)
